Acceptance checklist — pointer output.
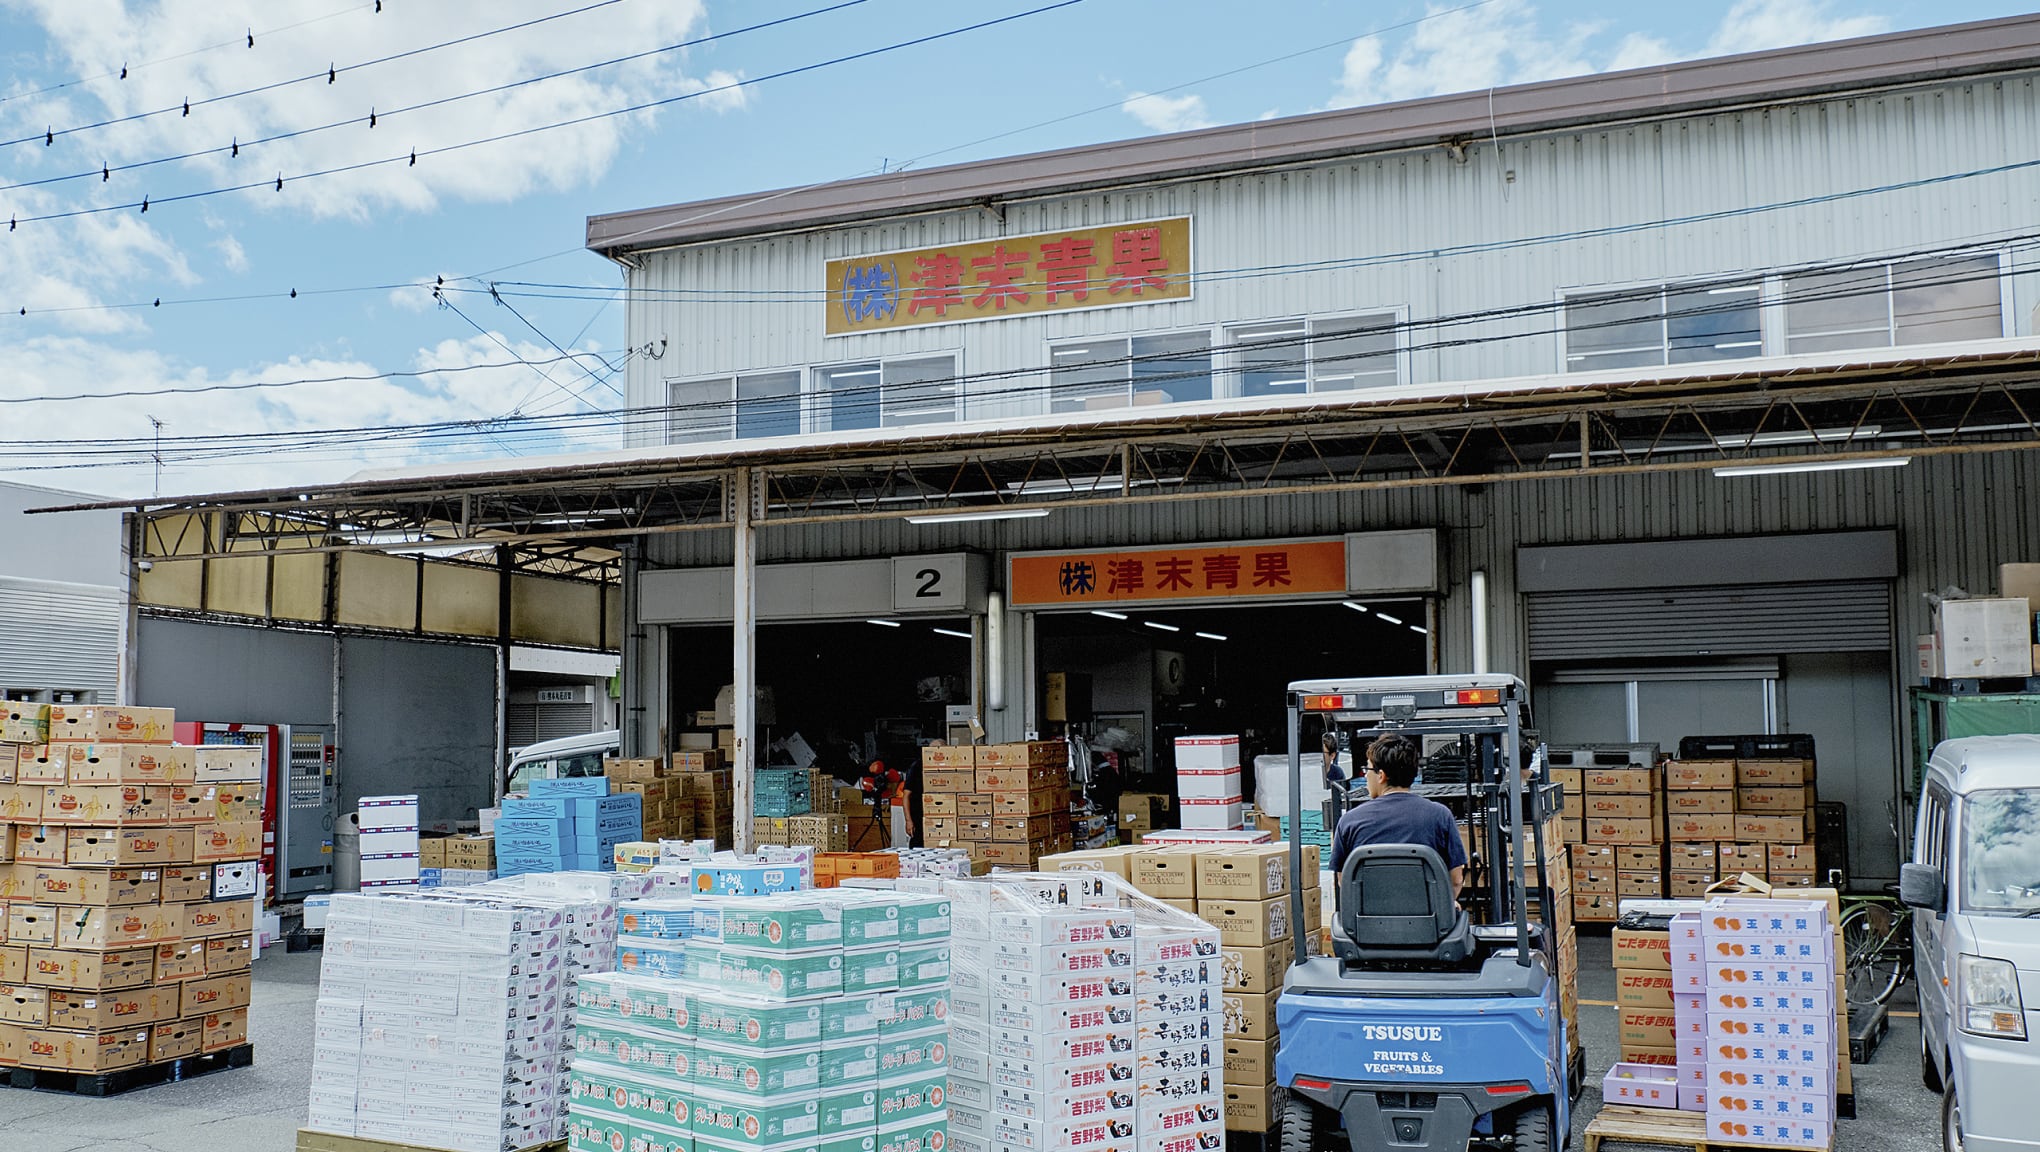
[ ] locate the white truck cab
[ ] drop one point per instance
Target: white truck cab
(1974, 885)
(553, 759)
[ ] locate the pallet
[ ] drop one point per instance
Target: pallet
(1665, 1127)
(1785, 746)
(1986, 686)
(1600, 755)
(1867, 1030)
(122, 1080)
(305, 940)
(311, 1141)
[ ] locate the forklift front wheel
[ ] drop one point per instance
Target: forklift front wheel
(1531, 1128)
(1300, 1121)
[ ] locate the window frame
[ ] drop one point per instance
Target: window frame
(1212, 353)
(1766, 293)
(2005, 302)
(1228, 377)
(816, 399)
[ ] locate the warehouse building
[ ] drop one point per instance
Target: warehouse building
(1672, 391)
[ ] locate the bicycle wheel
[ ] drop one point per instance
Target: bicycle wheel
(1869, 943)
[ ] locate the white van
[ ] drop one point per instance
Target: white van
(1974, 886)
(552, 759)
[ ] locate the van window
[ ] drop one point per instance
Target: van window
(2001, 851)
(1933, 847)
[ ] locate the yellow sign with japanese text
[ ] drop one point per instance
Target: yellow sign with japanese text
(1108, 267)
(1204, 572)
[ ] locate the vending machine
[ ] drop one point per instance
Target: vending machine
(300, 798)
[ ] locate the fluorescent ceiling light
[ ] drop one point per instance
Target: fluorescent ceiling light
(1420, 628)
(1108, 615)
(1387, 617)
(884, 623)
(1731, 291)
(973, 517)
(954, 632)
(1161, 627)
(1804, 436)
(1813, 466)
(1211, 635)
(1353, 606)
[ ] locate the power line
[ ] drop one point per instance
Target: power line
(105, 172)
(329, 75)
(411, 158)
(251, 385)
(125, 69)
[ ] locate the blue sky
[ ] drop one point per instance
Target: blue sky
(1102, 69)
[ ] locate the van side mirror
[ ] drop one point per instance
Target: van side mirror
(1921, 886)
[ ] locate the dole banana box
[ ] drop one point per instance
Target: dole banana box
(131, 764)
(227, 764)
(88, 971)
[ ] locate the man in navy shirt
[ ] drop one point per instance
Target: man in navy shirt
(1392, 814)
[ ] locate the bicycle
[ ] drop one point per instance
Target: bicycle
(1877, 947)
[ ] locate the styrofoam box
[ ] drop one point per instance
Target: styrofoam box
(396, 842)
(1195, 815)
(1199, 753)
(1208, 784)
(382, 813)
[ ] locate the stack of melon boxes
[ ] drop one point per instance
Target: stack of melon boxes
(1007, 804)
(1624, 850)
(127, 866)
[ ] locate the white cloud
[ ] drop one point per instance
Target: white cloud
(1167, 113)
(232, 254)
(1509, 43)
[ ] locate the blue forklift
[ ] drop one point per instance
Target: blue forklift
(1434, 1023)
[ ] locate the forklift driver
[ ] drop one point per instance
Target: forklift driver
(1392, 814)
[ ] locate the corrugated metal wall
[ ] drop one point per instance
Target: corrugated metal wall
(61, 637)
(1414, 203)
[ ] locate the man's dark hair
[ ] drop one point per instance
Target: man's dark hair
(1396, 758)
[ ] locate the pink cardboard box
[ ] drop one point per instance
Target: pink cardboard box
(1641, 1086)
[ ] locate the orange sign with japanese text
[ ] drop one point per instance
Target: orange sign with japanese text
(1246, 571)
(1138, 263)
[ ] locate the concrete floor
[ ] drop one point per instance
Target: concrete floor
(258, 1109)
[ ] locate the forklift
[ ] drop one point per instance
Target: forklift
(1434, 1023)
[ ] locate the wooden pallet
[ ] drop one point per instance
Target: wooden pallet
(310, 1141)
(128, 1079)
(1661, 1126)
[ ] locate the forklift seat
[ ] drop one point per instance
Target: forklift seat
(1396, 905)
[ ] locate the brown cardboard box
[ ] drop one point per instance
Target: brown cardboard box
(1256, 970)
(1718, 802)
(1715, 827)
(13, 963)
(228, 1029)
(635, 768)
(973, 829)
(1595, 907)
(1189, 906)
(1789, 859)
(1249, 1061)
(939, 828)
(1774, 829)
(124, 846)
(1573, 780)
(1622, 780)
(181, 960)
(1688, 885)
(1683, 775)
(1043, 803)
(1773, 773)
(654, 791)
(229, 954)
(1168, 873)
(1117, 860)
(41, 844)
(130, 764)
(939, 803)
(1601, 806)
(227, 764)
(947, 756)
(1636, 948)
(1643, 988)
(1247, 872)
(1694, 858)
(1247, 923)
(1622, 831)
(20, 1004)
(90, 971)
(202, 803)
(84, 1051)
(1018, 828)
(110, 723)
(1250, 1017)
(1651, 884)
(1251, 1107)
(1593, 856)
(1034, 754)
(216, 993)
(472, 853)
(1639, 857)
(21, 803)
(176, 1039)
(1630, 1053)
(974, 805)
(98, 887)
(183, 844)
(431, 851)
(1779, 801)
(44, 763)
(948, 780)
(1144, 812)
(100, 1011)
(115, 929)
(696, 760)
(219, 918)
(1020, 777)
(240, 840)
(111, 805)
(1595, 880)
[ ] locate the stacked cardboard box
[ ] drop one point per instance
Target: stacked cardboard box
(1244, 892)
(1983, 638)
(1573, 818)
(1083, 1021)
(1008, 805)
(569, 825)
(1774, 801)
(1625, 808)
(720, 1061)
(127, 868)
(1144, 812)
(389, 844)
(1642, 954)
(666, 810)
(1208, 781)
(823, 833)
(1782, 1093)
(707, 791)
(1700, 815)
(443, 1017)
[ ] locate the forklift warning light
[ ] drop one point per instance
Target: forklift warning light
(1326, 703)
(1480, 696)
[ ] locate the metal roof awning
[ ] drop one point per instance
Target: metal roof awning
(573, 512)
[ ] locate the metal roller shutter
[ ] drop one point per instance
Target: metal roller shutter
(1755, 620)
(59, 636)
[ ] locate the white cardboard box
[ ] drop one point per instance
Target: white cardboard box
(1207, 753)
(1984, 638)
(1208, 783)
(1222, 814)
